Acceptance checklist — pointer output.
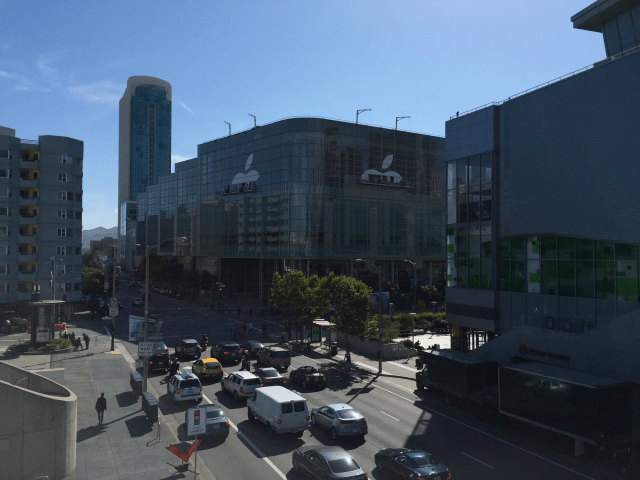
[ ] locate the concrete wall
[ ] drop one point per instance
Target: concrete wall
(37, 426)
(390, 351)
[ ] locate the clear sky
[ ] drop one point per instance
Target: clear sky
(64, 66)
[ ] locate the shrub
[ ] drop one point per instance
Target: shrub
(56, 344)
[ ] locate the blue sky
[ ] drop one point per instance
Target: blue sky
(64, 66)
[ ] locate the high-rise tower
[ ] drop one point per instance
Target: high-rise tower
(144, 150)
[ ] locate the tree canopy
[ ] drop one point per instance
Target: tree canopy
(92, 281)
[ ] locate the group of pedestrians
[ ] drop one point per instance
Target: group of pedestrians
(76, 342)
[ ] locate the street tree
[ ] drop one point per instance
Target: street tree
(348, 299)
(92, 281)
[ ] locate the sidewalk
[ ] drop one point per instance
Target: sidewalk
(123, 447)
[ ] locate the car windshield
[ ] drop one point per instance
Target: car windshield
(191, 344)
(214, 414)
(342, 465)
(231, 346)
(211, 365)
(270, 372)
(278, 354)
(349, 413)
(252, 381)
(159, 347)
(421, 461)
(189, 384)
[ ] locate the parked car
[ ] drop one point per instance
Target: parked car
(217, 423)
(406, 463)
(340, 419)
(227, 351)
(240, 384)
(269, 376)
(309, 377)
(160, 359)
(185, 386)
(188, 348)
(322, 462)
(252, 347)
(207, 368)
(276, 357)
(138, 302)
(280, 409)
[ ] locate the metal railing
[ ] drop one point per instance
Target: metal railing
(542, 85)
(322, 118)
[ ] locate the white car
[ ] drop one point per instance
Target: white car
(240, 384)
(340, 419)
(185, 386)
(280, 409)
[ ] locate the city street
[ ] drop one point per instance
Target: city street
(396, 414)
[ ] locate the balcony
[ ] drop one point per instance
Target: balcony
(28, 201)
(28, 183)
(28, 239)
(31, 164)
(28, 217)
(26, 275)
(27, 257)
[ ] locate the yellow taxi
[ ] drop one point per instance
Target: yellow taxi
(207, 368)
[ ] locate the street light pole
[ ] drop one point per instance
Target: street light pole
(145, 367)
(361, 111)
(399, 118)
(113, 299)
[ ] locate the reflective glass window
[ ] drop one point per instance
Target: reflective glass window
(566, 278)
(549, 277)
(566, 248)
(584, 249)
(585, 284)
(517, 247)
(605, 280)
(548, 247)
(504, 274)
(517, 276)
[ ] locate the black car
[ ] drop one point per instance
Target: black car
(309, 377)
(323, 462)
(252, 347)
(188, 348)
(160, 360)
(406, 463)
(227, 351)
(269, 377)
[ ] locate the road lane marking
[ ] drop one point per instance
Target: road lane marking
(389, 416)
(257, 451)
(473, 458)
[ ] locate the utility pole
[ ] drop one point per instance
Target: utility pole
(145, 366)
(399, 118)
(114, 303)
(360, 111)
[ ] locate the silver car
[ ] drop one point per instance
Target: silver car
(340, 419)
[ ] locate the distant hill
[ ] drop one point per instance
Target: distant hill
(97, 234)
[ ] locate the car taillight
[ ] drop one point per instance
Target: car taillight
(150, 362)
(178, 391)
(225, 353)
(273, 360)
(227, 423)
(239, 351)
(449, 477)
(279, 422)
(307, 417)
(289, 360)
(169, 361)
(201, 388)
(241, 389)
(307, 378)
(167, 350)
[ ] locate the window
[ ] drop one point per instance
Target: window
(62, 214)
(4, 153)
(62, 232)
(78, 197)
(62, 269)
(62, 177)
(5, 192)
(5, 211)
(4, 269)
(78, 251)
(62, 195)
(4, 231)
(69, 232)
(76, 287)
(65, 159)
(5, 173)
(287, 407)
(78, 215)
(4, 288)
(4, 249)
(61, 250)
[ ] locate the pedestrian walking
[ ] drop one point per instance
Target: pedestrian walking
(86, 340)
(101, 406)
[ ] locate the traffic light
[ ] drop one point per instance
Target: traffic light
(196, 417)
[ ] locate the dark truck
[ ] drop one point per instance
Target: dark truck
(587, 407)
(457, 374)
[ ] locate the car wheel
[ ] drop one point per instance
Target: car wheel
(251, 415)
(419, 385)
(334, 433)
(236, 396)
(304, 384)
(313, 419)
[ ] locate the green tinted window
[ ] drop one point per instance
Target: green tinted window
(549, 277)
(584, 249)
(567, 278)
(566, 248)
(604, 250)
(504, 273)
(505, 248)
(605, 281)
(517, 276)
(517, 247)
(585, 285)
(548, 245)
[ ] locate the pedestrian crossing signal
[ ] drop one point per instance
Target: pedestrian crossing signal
(196, 417)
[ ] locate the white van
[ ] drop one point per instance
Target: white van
(280, 409)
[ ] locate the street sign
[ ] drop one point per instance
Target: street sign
(196, 423)
(145, 349)
(113, 311)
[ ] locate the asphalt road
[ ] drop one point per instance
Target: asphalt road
(397, 415)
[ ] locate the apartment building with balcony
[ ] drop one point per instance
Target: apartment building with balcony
(40, 216)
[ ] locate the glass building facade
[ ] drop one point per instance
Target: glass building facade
(312, 193)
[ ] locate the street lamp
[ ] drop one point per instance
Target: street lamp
(361, 111)
(415, 289)
(399, 118)
(379, 311)
(145, 367)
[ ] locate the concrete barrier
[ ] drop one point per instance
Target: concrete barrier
(37, 427)
(390, 351)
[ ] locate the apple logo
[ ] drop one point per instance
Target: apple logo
(252, 176)
(390, 174)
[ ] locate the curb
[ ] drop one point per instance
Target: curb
(43, 352)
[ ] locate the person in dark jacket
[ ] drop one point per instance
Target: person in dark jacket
(77, 343)
(101, 406)
(86, 340)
